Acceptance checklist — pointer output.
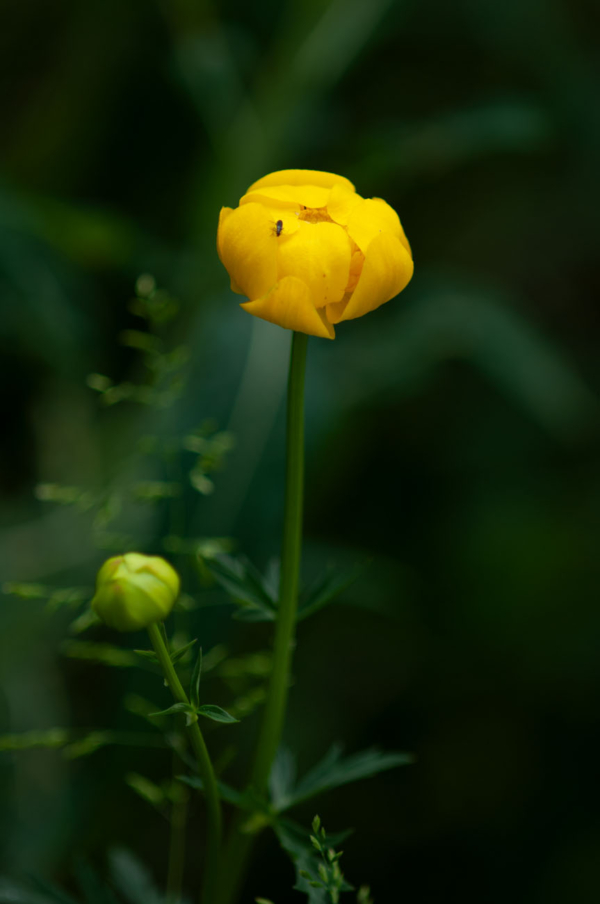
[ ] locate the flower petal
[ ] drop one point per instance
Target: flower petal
(318, 254)
(341, 203)
(302, 177)
(335, 312)
(370, 218)
(295, 196)
(247, 244)
(290, 304)
(388, 268)
(224, 213)
(401, 234)
(288, 217)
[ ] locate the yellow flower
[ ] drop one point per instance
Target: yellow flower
(134, 591)
(309, 252)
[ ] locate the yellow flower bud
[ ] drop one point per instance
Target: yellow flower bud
(134, 591)
(309, 252)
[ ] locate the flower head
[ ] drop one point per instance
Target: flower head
(309, 252)
(134, 591)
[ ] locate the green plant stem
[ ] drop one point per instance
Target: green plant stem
(239, 844)
(213, 803)
(285, 629)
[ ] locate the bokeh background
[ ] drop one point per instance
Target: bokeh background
(453, 435)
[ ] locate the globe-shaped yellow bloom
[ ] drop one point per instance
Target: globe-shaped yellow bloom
(309, 252)
(134, 591)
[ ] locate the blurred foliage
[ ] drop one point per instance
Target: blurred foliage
(452, 435)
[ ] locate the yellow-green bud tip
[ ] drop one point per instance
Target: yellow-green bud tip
(134, 591)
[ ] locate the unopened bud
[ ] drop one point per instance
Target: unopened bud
(134, 591)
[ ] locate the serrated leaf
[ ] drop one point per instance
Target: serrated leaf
(326, 589)
(282, 777)
(272, 577)
(298, 843)
(334, 771)
(245, 586)
(263, 586)
(294, 841)
(195, 681)
(216, 713)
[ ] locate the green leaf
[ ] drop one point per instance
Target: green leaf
(88, 744)
(238, 798)
(53, 892)
(11, 893)
(28, 740)
(87, 619)
(306, 852)
(334, 771)
(346, 24)
(282, 778)
(146, 789)
(69, 597)
(147, 654)
(272, 578)
(195, 682)
(26, 591)
(295, 841)
(132, 879)
(105, 653)
(180, 653)
(216, 713)
(190, 712)
(263, 586)
(245, 586)
(254, 614)
(326, 589)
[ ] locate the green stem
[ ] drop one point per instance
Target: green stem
(274, 713)
(240, 844)
(205, 769)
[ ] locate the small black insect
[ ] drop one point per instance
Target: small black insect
(278, 228)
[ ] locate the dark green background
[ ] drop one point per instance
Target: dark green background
(452, 436)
